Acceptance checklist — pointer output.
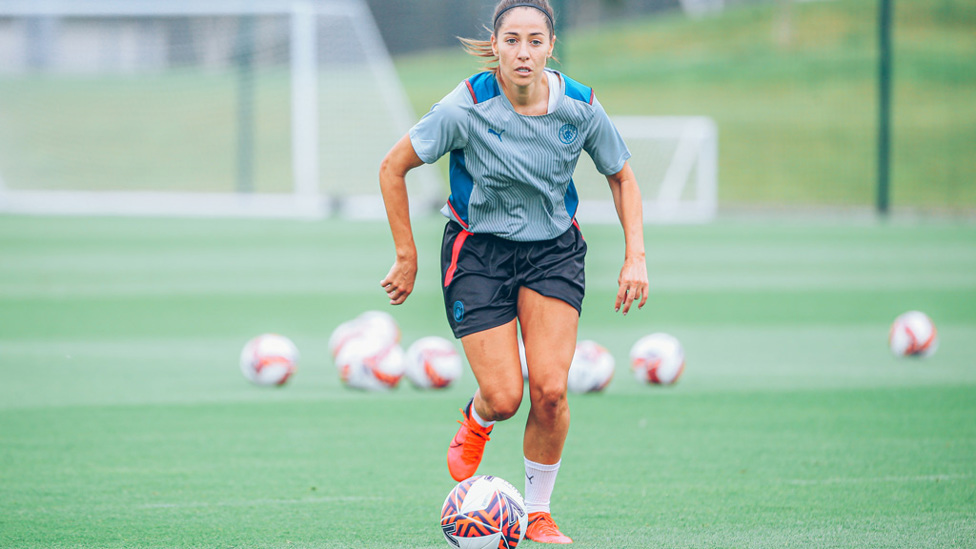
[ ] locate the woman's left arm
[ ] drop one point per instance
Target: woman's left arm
(632, 282)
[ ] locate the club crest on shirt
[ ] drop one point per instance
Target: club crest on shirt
(568, 133)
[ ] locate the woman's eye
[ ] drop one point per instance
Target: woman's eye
(510, 41)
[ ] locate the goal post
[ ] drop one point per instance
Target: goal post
(269, 108)
(675, 161)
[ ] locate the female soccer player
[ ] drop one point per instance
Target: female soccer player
(512, 251)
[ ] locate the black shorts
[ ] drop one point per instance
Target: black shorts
(481, 275)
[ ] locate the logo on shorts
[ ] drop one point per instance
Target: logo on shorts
(568, 133)
(458, 311)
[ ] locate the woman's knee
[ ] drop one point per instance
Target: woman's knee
(549, 396)
(502, 404)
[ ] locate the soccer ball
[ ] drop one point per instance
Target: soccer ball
(269, 359)
(432, 363)
(592, 368)
(370, 363)
(913, 334)
(377, 324)
(483, 512)
(657, 358)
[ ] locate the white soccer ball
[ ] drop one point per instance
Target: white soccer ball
(376, 324)
(433, 363)
(484, 512)
(658, 359)
(913, 334)
(370, 363)
(269, 359)
(592, 368)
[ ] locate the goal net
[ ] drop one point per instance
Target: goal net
(268, 108)
(675, 160)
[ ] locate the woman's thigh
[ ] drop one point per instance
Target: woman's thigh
(494, 358)
(549, 326)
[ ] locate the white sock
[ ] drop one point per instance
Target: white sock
(477, 418)
(539, 482)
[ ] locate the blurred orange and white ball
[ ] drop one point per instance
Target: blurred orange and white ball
(433, 363)
(657, 359)
(269, 359)
(592, 368)
(367, 352)
(913, 334)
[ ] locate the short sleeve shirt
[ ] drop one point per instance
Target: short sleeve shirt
(512, 175)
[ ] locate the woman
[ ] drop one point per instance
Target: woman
(512, 252)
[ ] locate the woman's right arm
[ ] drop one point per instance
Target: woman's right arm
(402, 158)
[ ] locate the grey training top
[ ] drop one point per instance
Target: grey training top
(511, 174)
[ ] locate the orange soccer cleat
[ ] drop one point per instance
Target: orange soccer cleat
(543, 529)
(467, 448)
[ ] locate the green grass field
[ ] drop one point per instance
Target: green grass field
(125, 422)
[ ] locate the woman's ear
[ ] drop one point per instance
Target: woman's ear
(494, 45)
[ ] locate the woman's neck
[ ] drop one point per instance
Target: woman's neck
(531, 100)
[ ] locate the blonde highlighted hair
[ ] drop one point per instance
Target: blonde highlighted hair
(482, 48)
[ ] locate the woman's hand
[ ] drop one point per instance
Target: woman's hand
(398, 283)
(632, 284)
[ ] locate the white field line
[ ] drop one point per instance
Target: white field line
(259, 502)
(872, 480)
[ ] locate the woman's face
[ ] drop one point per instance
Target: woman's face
(523, 45)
